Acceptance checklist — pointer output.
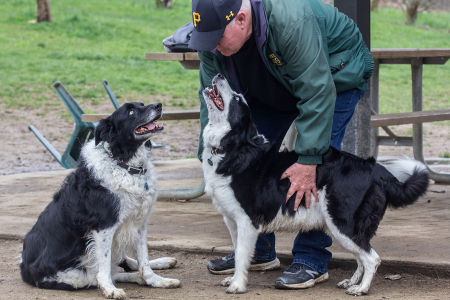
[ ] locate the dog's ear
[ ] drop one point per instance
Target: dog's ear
(236, 161)
(148, 144)
(241, 150)
(103, 131)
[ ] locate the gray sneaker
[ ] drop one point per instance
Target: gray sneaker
(225, 265)
(299, 276)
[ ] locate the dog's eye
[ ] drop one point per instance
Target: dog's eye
(131, 112)
(236, 98)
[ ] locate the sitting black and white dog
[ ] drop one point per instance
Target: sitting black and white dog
(242, 175)
(100, 214)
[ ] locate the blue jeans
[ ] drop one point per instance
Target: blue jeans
(309, 247)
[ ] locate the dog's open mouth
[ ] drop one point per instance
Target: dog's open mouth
(149, 127)
(214, 95)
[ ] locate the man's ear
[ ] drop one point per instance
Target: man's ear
(103, 131)
(241, 18)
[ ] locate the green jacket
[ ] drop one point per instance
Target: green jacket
(314, 51)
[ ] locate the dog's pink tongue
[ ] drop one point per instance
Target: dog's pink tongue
(151, 126)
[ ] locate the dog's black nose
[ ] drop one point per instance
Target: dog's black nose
(157, 105)
(220, 76)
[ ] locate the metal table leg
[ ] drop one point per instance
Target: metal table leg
(416, 69)
(182, 194)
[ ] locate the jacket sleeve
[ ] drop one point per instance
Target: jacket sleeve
(207, 72)
(308, 73)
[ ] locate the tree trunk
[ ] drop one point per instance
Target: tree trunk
(411, 11)
(164, 3)
(374, 5)
(43, 11)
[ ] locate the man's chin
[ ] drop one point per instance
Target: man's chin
(226, 52)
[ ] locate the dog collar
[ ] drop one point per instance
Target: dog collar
(216, 151)
(130, 169)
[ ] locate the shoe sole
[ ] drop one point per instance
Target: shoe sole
(304, 285)
(271, 265)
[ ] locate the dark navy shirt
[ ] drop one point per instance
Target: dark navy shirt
(257, 83)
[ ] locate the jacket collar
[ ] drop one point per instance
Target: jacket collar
(260, 33)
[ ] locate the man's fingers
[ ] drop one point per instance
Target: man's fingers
(284, 175)
(298, 199)
(289, 194)
(315, 194)
(307, 199)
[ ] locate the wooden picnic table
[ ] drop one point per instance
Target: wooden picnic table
(415, 57)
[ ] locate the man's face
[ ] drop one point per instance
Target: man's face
(232, 40)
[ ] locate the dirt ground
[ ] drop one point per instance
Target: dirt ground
(21, 151)
(198, 283)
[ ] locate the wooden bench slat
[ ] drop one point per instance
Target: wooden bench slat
(181, 115)
(409, 53)
(191, 56)
(377, 53)
(164, 56)
(375, 121)
(167, 116)
(410, 118)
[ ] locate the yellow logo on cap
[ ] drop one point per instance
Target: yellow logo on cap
(229, 16)
(196, 18)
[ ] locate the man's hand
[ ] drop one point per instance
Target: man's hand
(303, 181)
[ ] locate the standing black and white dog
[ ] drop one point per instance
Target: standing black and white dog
(100, 214)
(242, 175)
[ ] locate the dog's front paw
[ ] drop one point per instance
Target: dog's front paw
(227, 281)
(344, 284)
(114, 293)
(236, 288)
(356, 290)
(163, 263)
(166, 283)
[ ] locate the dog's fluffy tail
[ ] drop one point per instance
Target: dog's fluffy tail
(412, 182)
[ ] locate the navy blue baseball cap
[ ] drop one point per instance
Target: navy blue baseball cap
(210, 18)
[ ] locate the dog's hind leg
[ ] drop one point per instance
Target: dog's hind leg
(163, 263)
(132, 277)
(370, 261)
(346, 283)
(76, 278)
(145, 270)
(247, 235)
(155, 264)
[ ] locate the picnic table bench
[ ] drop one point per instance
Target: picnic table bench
(415, 57)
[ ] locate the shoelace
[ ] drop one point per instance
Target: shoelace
(229, 256)
(294, 268)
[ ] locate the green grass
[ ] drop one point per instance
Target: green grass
(432, 30)
(87, 42)
(446, 154)
(99, 39)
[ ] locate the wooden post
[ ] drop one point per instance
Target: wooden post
(357, 135)
(416, 76)
(43, 11)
